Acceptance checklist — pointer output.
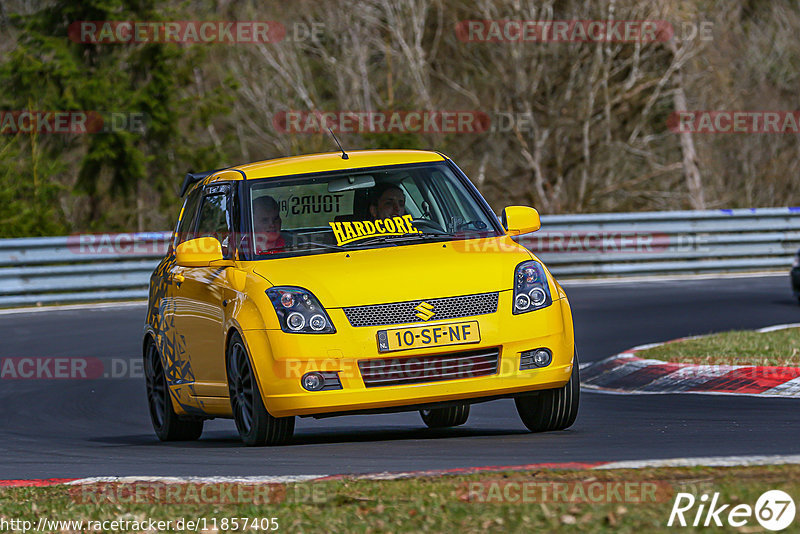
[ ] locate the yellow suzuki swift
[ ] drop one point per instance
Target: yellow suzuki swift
(351, 283)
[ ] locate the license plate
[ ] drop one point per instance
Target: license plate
(416, 337)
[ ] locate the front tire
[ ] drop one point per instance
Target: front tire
(166, 423)
(552, 409)
(255, 425)
(445, 417)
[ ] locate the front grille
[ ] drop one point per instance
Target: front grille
(404, 312)
(452, 366)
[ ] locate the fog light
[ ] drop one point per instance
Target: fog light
(531, 359)
(542, 358)
(313, 381)
(321, 380)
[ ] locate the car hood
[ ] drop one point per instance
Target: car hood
(400, 273)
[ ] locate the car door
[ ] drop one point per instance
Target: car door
(168, 280)
(199, 313)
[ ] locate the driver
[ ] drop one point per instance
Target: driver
(387, 201)
(267, 225)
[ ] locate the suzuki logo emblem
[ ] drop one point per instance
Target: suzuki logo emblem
(424, 311)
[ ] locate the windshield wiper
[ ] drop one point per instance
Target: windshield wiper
(477, 226)
(321, 245)
(404, 238)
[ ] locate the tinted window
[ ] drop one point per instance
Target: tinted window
(355, 209)
(188, 217)
(215, 219)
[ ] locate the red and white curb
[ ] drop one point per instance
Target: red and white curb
(627, 373)
(710, 461)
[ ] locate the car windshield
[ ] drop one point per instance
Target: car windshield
(388, 206)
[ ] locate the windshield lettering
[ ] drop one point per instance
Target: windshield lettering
(350, 231)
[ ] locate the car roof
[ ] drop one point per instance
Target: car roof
(328, 161)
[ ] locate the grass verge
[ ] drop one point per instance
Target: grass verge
(531, 501)
(779, 348)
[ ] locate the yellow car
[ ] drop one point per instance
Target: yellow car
(365, 282)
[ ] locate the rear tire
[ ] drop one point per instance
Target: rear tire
(552, 409)
(255, 425)
(445, 417)
(167, 424)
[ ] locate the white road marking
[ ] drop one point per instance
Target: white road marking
(778, 327)
(70, 307)
(710, 461)
(666, 278)
(277, 479)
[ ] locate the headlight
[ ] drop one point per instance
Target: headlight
(530, 288)
(299, 312)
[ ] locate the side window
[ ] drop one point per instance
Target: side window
(215, 220)
(420, 194)
(457, 205)
(188, 217)
(415, 196)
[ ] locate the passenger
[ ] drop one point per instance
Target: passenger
(267, 226)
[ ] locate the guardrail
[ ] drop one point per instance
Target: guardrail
(118, 266)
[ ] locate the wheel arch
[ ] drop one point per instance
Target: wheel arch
(147, 335)
(151, 335)
(234, 328)
(256, 342)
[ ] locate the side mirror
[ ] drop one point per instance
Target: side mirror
(519, 220)
(201, 252)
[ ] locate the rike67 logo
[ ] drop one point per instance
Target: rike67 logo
(774, 510)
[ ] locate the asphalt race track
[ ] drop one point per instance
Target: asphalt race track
(80, 428)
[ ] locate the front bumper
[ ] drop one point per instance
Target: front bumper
(281, 359)
(795, 276)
